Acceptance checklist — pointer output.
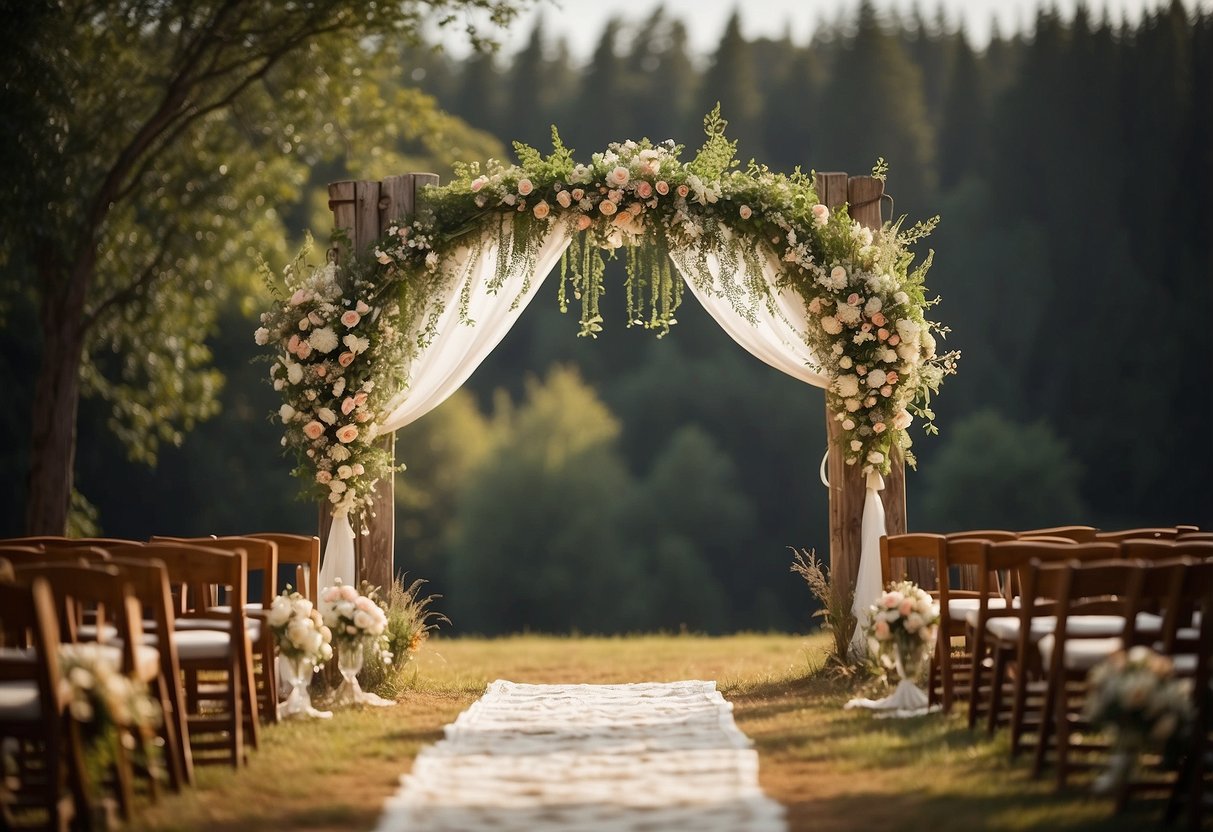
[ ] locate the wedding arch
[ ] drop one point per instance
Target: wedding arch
(423, 282)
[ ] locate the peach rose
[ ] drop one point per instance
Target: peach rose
(300, 296)
(882, 334)
(619, 176)
(525, 186)
(854, 299)
(879, 427)
(879, 319)
(347, 433)
(564, 199)
(305, 349)
(360, 399)
(607, 207)
(662, 187)
(361, 308)
(322, 370)
(541, 210)
(583, 222)
(894, 339)
(345, 359)
(882, 630)
(745, 212)
(891, 378)
(643, 189)
(683, 190)
(578, 194)
(347, 405)
(323, 477)
(351, 318)
(313, 430)
(886, 391)
(293, 344)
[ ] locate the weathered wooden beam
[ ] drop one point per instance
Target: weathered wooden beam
(863, 195)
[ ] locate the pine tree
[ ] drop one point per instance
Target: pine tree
(527, 96)
(732, 80)
(477, 101)
(964, 127)
(601, 98)
(792, 124)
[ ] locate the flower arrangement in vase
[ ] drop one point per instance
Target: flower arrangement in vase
(306, 644)
(359, 623)
(901, 629)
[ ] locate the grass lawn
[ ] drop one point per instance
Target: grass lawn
(832, 769)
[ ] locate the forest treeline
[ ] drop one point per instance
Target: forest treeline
(1072, 166)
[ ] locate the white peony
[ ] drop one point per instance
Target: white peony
(345, 472)
(876, 378)
(323, 339)
(873, 306)
(847, 385)
(339, 453)
(294, 373)
(908, 330)
(831, 324)
(262, 336)
(848, 314)
(286, 412)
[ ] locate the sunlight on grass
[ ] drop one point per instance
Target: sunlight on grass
(833, 769)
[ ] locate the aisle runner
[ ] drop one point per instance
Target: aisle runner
(625, 758)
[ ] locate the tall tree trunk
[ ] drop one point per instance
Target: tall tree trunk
(56, 399)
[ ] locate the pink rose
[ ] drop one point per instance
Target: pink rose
(541, 210)
(907, 607)
(890, 600)
(663, 187)
(745, 212)
(347, 434)
(643, 189)
(564, 199)
(322, 370)
(348, 593)
(479, 182)
(362, 416)
(861, 370)
(882, 334)
(879, 427)
(300, 296)
(358, 469)
(361, 308)
(347, 405)
(820, 214)
(891, 378)
(525, 186)
(360, 399)
(683, 190)
(854, 299)
(886, 391)
(345, 359)
(351, 318)
(879, 319)
(894, 339)
(618, 177)
(305, 349)
(313, 430)
(578, 194)
(323, 477)
(583, 222)
(607, 207)
(882, 630)
(292, 345)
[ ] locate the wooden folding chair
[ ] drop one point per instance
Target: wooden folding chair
(961, 600)
(302, 552)
(1192, 650)
(261, 560)
(33, 712)
(117, 630)
(1097, 603)
(216, 662)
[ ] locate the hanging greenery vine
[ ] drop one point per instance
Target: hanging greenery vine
(865, 297)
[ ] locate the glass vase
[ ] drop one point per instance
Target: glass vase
(298, 703)
(350, 658)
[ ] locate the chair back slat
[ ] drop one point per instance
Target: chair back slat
(1161, 533)
(914, 557)
(302, 552)
(261, 560)
(1079, 534)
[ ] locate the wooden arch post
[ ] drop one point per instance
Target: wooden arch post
(362, 211)
(863, 195)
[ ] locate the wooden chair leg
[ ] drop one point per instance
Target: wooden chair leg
(1045, 735)
(249, 688)
(236, 715)
(945, 666)
(997, 675)
(975, 673)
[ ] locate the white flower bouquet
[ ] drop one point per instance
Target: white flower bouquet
(299, 629)
(355, 619)
(99, 696)
(901, 629)
(1136, 696)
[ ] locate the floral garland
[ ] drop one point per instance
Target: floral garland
(866, 300)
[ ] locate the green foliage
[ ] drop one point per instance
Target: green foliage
(717, 156)
(994, 473)
(410, 621)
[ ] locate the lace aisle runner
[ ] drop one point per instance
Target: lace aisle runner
(625, 758)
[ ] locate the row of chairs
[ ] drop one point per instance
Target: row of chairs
(174, 614)
(1038, 611)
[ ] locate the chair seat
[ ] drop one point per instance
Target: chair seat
(251, 625)
(20, 702)
(202, 644)
(255, 606)
(1007, 628)
(24, 655)
(959, 608)
(88, 632)
(1081, 654)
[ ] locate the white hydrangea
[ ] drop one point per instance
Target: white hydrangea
(848, 314)
(323, 339)
(847, 385)
(831, 324)
(876, 378)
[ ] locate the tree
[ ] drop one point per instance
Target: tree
(733, 81)
(151, 136)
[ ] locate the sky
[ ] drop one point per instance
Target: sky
(580, 22)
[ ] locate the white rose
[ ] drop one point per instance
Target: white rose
(363, 620)
(856, 444)
(345, 472)
(286, 412)
(294, 373)
(831, 324)
(876, 378)
(845, 362)
(908, 330)
(261, 336)
(278, 614)
(302, 607)
(874, 457)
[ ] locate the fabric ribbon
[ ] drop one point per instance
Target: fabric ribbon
(868, 579)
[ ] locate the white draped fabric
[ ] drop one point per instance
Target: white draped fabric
(772, 330)
(455, 352)
(776, 337)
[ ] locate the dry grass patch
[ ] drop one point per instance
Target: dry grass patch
(833, 769)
